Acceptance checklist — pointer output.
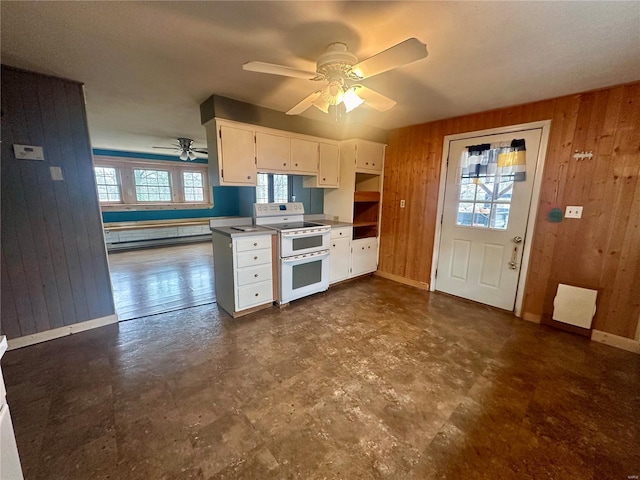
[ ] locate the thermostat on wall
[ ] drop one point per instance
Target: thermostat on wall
(28, 152)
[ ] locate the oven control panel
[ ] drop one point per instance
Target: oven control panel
(276, 209)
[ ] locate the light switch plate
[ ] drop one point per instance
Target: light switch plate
(573, 211)
(402, 203)
(56, 173)
(28, 152)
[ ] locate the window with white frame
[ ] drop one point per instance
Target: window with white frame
(131, 184)
(272, 187)
(108, 184)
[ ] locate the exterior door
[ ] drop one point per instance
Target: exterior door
(484, 224)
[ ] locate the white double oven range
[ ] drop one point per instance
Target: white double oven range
(303, 249)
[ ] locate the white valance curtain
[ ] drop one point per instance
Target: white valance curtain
(504, 160)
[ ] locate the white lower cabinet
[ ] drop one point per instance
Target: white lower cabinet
(364, 256)
(339, 259)
(243, 271)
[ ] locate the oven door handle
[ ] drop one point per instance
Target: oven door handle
(314, 255)
(304, 234)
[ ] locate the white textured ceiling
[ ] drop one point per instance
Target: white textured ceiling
(147, 66)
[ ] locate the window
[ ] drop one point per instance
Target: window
(193, 186)
(272, 187)
(108, 185)
(152, 185)
(485, 202)
(131, 184)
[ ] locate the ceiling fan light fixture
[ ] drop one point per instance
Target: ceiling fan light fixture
(321, 104)
(351, 100)
(191, 155)
(333, 93)
(184, 155)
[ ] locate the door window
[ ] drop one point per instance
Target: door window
(484, 202)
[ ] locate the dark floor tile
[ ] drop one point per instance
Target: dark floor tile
(372, 379)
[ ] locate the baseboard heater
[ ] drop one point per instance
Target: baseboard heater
(157, 242)
(574, 306)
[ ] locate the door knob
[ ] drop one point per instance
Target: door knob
(517, 239)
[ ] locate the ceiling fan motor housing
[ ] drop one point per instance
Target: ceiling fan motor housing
(336, 62)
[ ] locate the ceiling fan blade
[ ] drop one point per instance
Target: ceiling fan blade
(374, 99)
(305, 103)
(401, 54)
(168, 148)
(273, 69)
(200, 150)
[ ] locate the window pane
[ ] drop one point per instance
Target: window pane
(107, 183)
(485, 189)
(152, 185)
(467, 190)
(193, 189)
(504, 191)
(481, 213)
(500, 215)
(280, 188)
(262, 188)
(465, 211)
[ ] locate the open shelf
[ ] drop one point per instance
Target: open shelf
(360, 196)
(365, 230)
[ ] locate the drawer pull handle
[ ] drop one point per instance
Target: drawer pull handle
(255, 258)
(256, 275)
(255, 244)
(296, 164)
(248, 177)
(340, 233)
(324, 179)
(284, 164)
(257, 294)
(334, 245)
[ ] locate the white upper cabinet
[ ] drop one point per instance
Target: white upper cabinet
(368, 157)
(304, 156)
(329, 173)
(236, 155)
(272, 152)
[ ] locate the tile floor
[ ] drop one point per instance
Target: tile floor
(371, 379)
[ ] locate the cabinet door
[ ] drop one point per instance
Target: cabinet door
(237, 151)
(329, 173)
(364, 256)
(304, 156)
(339, 259)
(272, 152)
(369, 156)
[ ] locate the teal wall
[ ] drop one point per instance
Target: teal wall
(226, 200)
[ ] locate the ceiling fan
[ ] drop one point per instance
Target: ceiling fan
(340, 71)
(186, 149)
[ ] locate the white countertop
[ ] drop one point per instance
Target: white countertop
(231, 232)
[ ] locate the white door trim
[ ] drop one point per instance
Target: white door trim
(545, 125)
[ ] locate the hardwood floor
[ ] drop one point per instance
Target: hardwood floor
(156, 280)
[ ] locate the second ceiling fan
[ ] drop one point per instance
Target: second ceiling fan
(340, 71)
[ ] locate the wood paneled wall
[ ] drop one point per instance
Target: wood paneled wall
(54, 263)
(600, 251)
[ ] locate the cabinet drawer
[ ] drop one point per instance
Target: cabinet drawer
(255, 294)
(251, 275)
(257, 257)
(253, 243)
(341, 232)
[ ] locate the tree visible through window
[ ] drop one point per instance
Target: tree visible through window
(272, 187)
(107, 183)
(152, 185)
(193, 186)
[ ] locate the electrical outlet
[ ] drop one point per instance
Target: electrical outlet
(573, 211)
(401, 203)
